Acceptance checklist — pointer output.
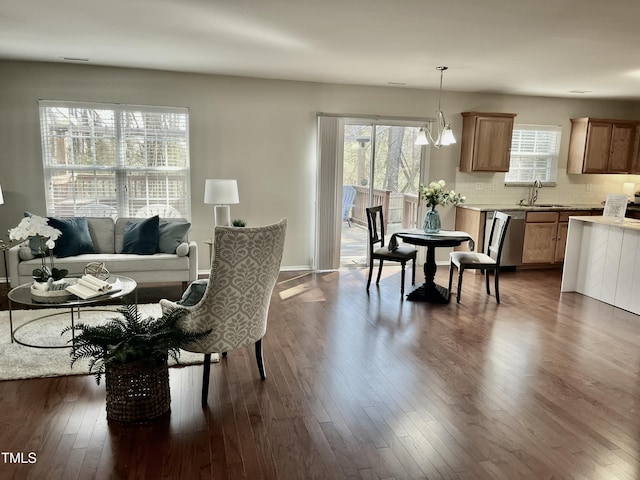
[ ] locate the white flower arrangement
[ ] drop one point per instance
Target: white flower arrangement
(38, 227)
(35, 226)
(435, 194)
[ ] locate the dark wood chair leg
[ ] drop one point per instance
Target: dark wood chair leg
(459, 284)
(404, 265)
(451, 266)
(496, 273)
(413, 272)
(205, 378)
(370, 273)
(487, 272)
(260, 359)
(380, 262)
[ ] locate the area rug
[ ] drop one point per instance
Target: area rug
(19, 362)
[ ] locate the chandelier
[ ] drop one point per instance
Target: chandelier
(444, 134)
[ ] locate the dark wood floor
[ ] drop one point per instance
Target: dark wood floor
(543, 386)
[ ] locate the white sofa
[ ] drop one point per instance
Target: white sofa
(108, 237)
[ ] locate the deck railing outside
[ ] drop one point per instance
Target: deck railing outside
(396, 207)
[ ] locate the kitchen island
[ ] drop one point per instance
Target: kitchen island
(602, 260)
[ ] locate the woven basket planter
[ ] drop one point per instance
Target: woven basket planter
(136, 392)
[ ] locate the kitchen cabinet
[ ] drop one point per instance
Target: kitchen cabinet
(635, 164)
(472, 222)
(563, 226)
(486, 141)
(602, 146)
(540, 237)
(545, 235)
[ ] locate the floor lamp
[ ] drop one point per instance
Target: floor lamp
(221, 193)
(4, 246)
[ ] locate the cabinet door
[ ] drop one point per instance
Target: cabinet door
(622, 145)
(492, 144)
(596, 158)
(635, 159)
(561, 243)
(539, 243)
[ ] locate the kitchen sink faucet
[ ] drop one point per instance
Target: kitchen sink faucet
(533, 191)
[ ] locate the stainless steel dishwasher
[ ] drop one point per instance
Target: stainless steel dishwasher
(514, 239)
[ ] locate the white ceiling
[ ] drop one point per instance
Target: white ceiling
(533, 47)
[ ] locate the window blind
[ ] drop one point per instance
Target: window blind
(114, 160)
(534, 154)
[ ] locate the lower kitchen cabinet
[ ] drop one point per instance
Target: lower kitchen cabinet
(545, 233)
(540, 237)
(561, 241)
(545, 236)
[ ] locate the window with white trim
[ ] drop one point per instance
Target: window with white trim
(115, 160)
(534, 154)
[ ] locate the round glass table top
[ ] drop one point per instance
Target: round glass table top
(122, 286)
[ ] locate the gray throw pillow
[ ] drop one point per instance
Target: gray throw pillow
(171, 235)
(183, 249)
(194, 293)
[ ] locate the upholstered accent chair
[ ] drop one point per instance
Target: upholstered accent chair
(235, 303)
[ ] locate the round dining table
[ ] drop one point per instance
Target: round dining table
(429, 291)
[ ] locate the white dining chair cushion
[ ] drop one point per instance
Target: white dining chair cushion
(469, 258)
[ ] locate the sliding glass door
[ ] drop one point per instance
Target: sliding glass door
(382, 163)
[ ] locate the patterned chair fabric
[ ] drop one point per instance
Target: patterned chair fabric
(236, 301)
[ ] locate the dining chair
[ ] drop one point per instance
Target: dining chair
(487, 262)
(404, 253)
(235, 301)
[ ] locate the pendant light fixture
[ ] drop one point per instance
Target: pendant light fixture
(444, 134)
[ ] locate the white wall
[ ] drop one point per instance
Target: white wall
(261, 132)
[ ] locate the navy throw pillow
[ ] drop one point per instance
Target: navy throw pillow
(75, 238)
(141, 237)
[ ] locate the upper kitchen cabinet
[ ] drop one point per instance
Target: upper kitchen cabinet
(486, 141)
(601, 145)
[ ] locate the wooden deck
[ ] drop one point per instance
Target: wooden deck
(354, 241)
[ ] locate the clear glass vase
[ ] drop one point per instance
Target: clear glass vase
(432, 222)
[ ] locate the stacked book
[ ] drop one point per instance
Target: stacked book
(89, 286)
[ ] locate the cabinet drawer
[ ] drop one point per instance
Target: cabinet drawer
(564, 216)
(542, 217)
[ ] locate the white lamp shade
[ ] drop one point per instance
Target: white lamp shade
(1, 197)
(221, 191)
(447, 136)
(421, 139)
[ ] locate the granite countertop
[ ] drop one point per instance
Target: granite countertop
(541, 206)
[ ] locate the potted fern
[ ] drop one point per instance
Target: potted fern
(132, 353)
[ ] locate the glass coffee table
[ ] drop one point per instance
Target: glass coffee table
(21, 295)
